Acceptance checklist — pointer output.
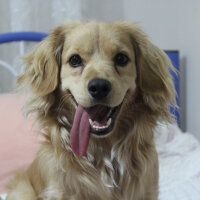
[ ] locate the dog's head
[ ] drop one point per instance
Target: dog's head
(102, 67)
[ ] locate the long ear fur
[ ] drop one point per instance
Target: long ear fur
(154, 78)
(42, 64)
(153, 69)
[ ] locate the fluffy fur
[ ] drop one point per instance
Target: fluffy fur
(121, 166)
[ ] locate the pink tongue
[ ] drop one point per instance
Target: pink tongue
(80, 132)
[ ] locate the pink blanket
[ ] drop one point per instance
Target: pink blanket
(18, 140)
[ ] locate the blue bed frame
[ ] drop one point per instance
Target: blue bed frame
(22, 36)
(37, 36)
(174, 57)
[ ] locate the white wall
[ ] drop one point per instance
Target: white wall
(175, 24)
(102, 10)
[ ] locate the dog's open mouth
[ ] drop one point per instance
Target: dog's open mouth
(102, 119)
(97, 120)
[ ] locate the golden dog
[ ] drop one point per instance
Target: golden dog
(98, 91)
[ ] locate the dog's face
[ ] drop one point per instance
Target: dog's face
(98, 64)
(98, 69)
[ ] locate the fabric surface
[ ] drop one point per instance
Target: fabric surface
(18, 140)
(3, 197)
(179, 163)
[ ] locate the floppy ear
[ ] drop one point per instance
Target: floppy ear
(153, 68)
(42, 64)
(153, 74)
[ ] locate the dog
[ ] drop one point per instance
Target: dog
(98, 90)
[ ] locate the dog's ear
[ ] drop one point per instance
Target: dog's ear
(153, 67)
(42, 64)
(153, 74)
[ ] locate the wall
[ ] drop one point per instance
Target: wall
(102, 10)
(175, 24)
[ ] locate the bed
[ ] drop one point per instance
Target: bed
(178, 152)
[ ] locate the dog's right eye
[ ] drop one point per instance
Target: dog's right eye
(75, 61)
(121, 59)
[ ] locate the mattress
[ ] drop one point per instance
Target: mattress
(2, 196)
(179, 164)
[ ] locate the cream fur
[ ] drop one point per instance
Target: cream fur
(121, 166)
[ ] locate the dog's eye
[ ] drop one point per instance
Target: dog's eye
(121, 59)
(75, 61)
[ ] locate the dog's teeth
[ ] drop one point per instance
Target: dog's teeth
(96, 127)
(91, 122)
(109, 122)
(100, 127)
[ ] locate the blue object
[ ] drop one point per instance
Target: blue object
(22, 36)
(174, 57)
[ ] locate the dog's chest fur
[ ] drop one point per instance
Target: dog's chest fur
(103, 175)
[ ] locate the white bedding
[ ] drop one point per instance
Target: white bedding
(3, 197)
(179, 160)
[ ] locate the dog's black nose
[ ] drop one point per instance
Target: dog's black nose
(99, 88)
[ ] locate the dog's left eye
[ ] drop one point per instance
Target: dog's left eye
(75, 61)
(121, 59)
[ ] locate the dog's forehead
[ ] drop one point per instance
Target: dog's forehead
(92, 36)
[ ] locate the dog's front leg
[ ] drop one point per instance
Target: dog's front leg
(20, 188)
